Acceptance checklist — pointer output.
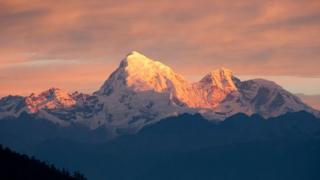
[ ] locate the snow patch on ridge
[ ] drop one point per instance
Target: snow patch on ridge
(53, 98)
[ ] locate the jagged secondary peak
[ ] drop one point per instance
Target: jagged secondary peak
(52, 98)
(221, 78)
(53, 94)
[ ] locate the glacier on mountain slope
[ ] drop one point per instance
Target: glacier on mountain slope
(143, 91)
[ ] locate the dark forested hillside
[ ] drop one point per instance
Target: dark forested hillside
(189, 147)
(184, 147)
(14, 166)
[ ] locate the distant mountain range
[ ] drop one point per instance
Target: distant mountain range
(142, 91)
(148, 122)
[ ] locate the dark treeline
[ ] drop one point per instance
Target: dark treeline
(16, 166)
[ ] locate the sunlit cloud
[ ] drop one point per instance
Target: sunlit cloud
(251, 37)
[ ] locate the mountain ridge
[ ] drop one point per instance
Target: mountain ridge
(142, 91)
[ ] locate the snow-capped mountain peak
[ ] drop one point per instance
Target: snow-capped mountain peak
(142, 91)
(140, 73)
(53, 98)
(135, 57)
(221, 78)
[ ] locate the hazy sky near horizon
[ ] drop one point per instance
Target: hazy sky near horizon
(76, 44)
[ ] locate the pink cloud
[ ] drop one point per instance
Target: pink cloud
(251, 37)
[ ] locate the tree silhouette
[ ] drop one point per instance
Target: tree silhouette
(16, 166)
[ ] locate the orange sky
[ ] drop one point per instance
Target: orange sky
(75, 44)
